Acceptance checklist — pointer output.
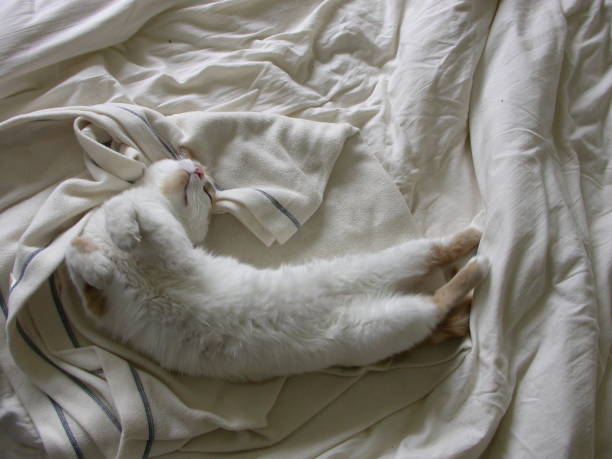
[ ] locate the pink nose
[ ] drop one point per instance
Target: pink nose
(199, 171)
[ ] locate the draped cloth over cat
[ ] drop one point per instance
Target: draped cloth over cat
(271, 171)
(277, 167)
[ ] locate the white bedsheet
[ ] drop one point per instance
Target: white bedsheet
(463, 107)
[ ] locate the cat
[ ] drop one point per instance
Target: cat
(144, 281)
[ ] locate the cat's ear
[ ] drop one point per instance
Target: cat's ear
(185, 153)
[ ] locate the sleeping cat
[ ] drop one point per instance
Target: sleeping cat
(142, 280)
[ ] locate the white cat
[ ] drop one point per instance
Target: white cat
(143, 281)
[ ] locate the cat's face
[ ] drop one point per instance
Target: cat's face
(188, 189)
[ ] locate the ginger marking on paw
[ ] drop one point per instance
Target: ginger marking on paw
(454, 325)
(455, 290)
(458, 246)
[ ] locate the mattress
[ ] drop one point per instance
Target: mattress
(483, 112)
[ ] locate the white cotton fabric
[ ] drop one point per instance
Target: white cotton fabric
(463, 108)
(274, 169)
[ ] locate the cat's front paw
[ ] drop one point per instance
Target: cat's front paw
(126, 239)
(86, 259)
(122, 226)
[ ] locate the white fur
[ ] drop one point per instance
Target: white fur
(202, 314)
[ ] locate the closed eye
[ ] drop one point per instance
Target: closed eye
(208, 192)
(185, 199)
(208, 187)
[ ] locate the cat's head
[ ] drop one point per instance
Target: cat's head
(189, 192)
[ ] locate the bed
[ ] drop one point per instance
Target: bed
(460, 112)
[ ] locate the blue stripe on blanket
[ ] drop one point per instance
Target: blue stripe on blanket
(74, 379)
(75, 342)
(175, 155)
(166, 144)
(148, 412)
(3, 306)
(25, 265)
(62, 313)
(58, 409)
(274, 201)
(62, 417)
(280, 207)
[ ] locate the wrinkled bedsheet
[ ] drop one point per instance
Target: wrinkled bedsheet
(479, 111)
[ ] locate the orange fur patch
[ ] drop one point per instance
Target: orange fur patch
(459, 246)
(174, 183)
(455, 324)
(454, 291)
(84, 245)
(185, 152)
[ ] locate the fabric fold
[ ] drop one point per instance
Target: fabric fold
(270, 170)
(274, 169)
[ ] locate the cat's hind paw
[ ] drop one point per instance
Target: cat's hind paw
(454, 247)
(479, 266)
(456, 324)
(452, 293)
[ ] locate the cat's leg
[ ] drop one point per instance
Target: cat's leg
(456, 322)
(164, 240)
(363, 331)
(89, 263)
(379, 328)
(121, 220)
(128, 222)
(400, 266)
(148, 226)
(90, 272)
(455, 325)
(350, 330)
(451, 248)
(455, 291)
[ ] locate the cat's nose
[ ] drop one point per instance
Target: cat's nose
(199, 171)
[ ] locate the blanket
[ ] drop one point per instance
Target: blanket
(492, 112)
(274, 169)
